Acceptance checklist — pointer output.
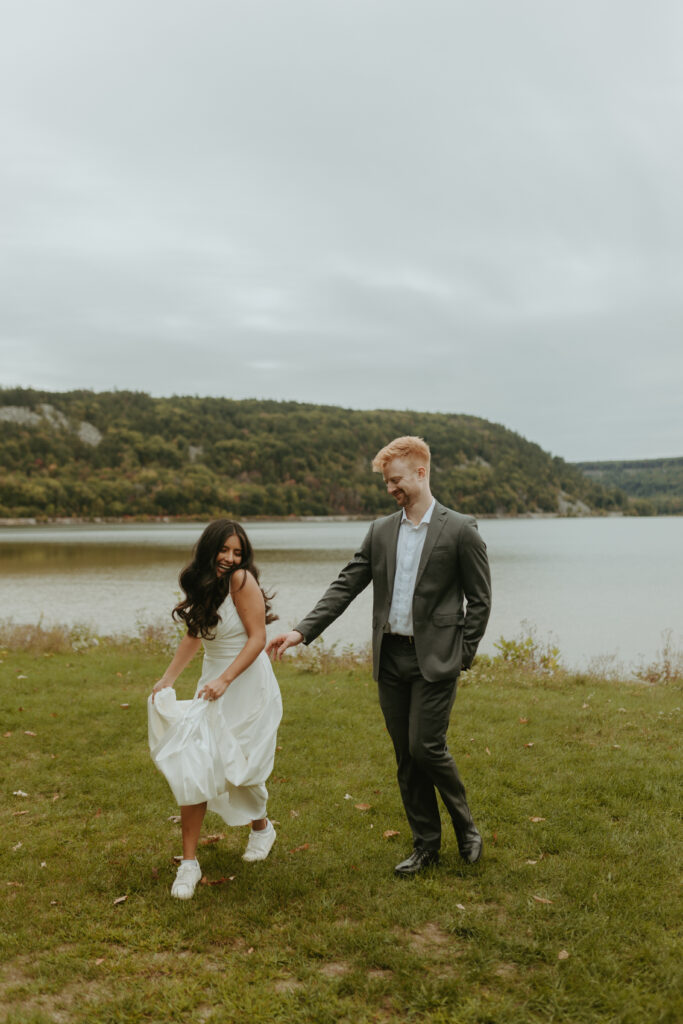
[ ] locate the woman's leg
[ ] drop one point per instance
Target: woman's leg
(191, 818)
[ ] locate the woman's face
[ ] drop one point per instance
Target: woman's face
(229, 556)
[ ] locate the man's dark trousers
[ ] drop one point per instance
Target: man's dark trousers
(417, 714)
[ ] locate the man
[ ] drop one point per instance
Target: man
(422, 561)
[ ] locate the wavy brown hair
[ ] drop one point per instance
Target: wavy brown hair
(205, 591)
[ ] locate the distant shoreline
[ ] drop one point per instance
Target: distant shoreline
(181, 520)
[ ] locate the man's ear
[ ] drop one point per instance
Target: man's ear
(421, 472)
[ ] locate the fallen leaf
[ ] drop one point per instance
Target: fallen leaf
(124, 705)
(459, 906)
(623, 710)
(532, 862)
(523, 721)
(347, 796)
(294, 814)
(100, 960)
(297, 849)
(18, 846)
(55, 796)
(17, 885)
(155, 872)
(495, 837)
(174, 818)
(488, 751)
(43, 863)
(528, 744)
(536, 819)
(210, 840)
(217, 881)
(28, 732)
(22, 677)
(362, 807)
(18, 814)
(563, 955)
(177, 859)
(7, 734)
(120, 899)
(584, 705)
(98, 812)
(616, 746)
(541, 899)
(390, 833)
(19, 792)
(250, 950)
(53, 903)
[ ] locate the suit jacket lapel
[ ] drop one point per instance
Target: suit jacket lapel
(392, 542)
(433, 530)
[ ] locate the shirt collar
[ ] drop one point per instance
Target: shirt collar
(426, 518)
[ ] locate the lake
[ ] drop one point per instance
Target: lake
(597, 587)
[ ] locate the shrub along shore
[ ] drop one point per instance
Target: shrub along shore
(570, 916)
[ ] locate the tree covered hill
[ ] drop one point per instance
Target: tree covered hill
(656, 483)
(87, 454)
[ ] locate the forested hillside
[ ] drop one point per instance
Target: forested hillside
(658, 483)
(125, 453)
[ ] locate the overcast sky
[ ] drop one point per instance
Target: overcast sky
(448, 206)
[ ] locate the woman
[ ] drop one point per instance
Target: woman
(217, 750)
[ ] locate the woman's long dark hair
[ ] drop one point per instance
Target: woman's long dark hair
(204, 590)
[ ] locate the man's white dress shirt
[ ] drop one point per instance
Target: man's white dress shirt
(411, 541)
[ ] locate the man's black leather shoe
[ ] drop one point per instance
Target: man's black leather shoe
(471, 847)
(418, 861)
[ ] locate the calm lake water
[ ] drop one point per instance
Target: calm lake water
(596, 587)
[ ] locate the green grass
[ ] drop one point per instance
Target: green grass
(322, 931)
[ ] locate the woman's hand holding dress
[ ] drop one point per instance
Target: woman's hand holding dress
(161, 685)
(213, 690)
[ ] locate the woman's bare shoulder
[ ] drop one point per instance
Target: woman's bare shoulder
(242, 581)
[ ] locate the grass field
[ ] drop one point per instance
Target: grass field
(572, 915)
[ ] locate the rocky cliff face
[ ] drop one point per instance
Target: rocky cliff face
(26, 417)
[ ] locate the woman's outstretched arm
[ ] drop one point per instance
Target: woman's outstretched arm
(187, 648)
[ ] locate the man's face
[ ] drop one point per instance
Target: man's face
(405, 481)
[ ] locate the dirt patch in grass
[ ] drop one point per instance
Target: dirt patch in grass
(335, 969)
(379, 974)
(285, 986)
(56, 1006)
(429, 938)
(505, 970)
(14, 974)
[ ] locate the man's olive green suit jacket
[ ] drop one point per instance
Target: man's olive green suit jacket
(453, 568)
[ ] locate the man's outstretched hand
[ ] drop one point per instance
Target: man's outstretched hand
(279, 644)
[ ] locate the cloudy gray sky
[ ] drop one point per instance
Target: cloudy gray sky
(446, 206)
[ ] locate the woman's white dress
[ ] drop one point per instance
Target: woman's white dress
(220, 751)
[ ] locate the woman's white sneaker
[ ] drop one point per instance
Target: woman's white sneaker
(186, 880)
(260, 843)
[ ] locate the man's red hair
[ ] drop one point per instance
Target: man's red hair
(412, 448)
